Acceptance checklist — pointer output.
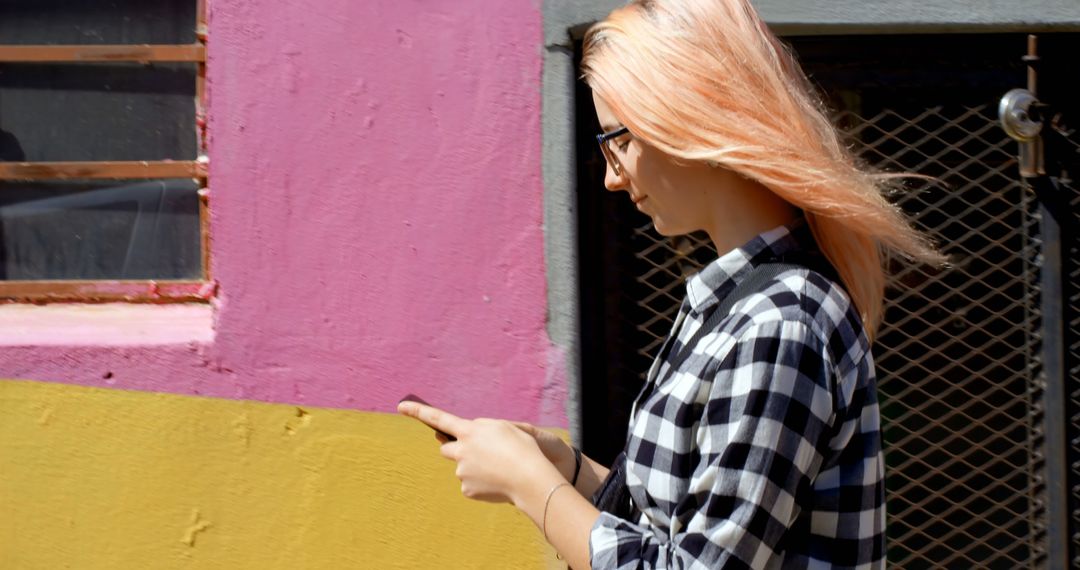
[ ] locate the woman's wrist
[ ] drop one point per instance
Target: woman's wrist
(564, 463)
(531, 487)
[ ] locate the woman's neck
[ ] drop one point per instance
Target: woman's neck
(743, 210)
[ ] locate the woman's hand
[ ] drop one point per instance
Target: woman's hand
(496, 459)
(557, 451)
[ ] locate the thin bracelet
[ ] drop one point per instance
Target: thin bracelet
(577, 466)
(547, 502)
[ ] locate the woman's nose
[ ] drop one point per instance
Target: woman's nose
(614, 182)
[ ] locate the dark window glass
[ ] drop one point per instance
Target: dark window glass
(100, 230)
(108, 111)
(77, 230)
(97, 22)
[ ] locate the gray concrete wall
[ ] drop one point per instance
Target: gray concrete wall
(898, 16)
(860, 16)
(563, 19)
(560, 220)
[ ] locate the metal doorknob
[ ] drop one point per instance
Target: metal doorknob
(1015, 114)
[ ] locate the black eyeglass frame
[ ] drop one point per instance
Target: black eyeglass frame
(609, 155)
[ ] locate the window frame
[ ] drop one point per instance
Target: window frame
(136, 291)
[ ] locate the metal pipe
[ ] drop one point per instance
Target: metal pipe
(1053, 362)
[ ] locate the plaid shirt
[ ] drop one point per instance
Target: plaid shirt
(763, 449)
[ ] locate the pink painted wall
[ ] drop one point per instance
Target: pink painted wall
(376, 215)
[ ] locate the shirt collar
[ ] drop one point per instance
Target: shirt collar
(718, 278)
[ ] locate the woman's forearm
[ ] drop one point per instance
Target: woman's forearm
(591, 476)
(566, 518)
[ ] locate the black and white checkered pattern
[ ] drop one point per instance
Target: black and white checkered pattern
(763, 448)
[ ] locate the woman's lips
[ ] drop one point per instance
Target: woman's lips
(638, 199)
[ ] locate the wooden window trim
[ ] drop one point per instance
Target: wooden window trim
(143, 53)
(99, 291)
(99, 170)
(107, 291)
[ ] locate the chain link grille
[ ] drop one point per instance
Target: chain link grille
(958, 356)
(669, 263)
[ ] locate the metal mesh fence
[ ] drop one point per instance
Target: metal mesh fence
(958, 357)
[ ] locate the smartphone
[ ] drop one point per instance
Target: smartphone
(419, 400)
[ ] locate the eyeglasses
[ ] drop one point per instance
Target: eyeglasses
(609, 153)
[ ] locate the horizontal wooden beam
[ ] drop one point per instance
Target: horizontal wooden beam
(101, 53)
(101, 170)
(107, 291)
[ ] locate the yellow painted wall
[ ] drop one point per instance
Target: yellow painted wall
(106, 479)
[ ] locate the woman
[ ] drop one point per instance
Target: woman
(755, 443)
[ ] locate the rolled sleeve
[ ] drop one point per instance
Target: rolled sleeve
(619, 544)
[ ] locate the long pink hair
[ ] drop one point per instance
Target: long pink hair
(705, 80)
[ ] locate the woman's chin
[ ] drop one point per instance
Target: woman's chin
(667, 231)
(663, 229)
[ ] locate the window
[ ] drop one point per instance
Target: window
(102, 143)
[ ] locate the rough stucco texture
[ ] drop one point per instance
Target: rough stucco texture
(376, 215)
(114, 479)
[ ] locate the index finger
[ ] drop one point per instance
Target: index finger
(433, 417)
